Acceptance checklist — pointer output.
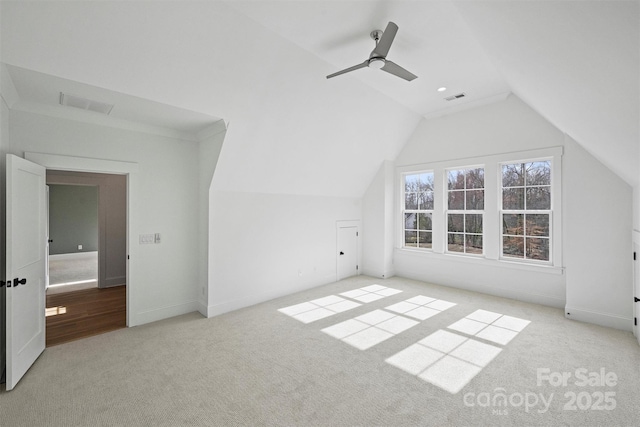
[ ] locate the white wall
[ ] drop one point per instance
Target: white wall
(598, 247)
(268, 245)
(208, 153)
(596, 280)
(163, 277)
(378, 219)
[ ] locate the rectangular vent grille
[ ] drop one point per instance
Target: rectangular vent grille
(454, 97)
(84, 103)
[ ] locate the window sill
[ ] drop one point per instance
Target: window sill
(480, 260)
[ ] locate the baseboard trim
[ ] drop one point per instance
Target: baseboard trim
(378, 273)
(598, 318)
(203, 309)
(165, 312)
(114, 281)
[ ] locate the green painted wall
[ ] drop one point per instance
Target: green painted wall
(73, 218)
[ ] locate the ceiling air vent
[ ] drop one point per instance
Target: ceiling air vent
(84, 103)
(454, 97)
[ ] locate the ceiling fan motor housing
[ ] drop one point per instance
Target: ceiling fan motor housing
(376, 62)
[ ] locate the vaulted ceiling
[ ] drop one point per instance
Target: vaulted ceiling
(261, 66)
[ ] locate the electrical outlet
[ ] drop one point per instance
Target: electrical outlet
(79, 247)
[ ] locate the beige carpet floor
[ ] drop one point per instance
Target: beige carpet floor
(306, 359)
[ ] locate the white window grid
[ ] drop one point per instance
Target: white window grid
(417, 212)
(524, 212)
(464, 212)
(492, 215)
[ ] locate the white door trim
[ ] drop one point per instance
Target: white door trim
(84, 164)
(349, 224)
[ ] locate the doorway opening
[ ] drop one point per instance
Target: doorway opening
(86, 291)
(73, 237)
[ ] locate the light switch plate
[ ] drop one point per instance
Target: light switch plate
(146, 239)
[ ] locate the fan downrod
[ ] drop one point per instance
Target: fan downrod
(376, 34)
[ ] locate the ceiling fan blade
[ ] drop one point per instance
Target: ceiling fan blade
(346, 70)
(384, 44)
(396, 70)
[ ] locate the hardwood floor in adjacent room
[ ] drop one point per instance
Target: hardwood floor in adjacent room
(80, 314)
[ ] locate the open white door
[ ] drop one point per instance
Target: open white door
(26, 240)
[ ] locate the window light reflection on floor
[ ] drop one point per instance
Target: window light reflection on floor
(370, 293)
(490, 326)
(54, 311)
(372, 328)
(445, 359)
(320, 308)
(449, 360)
(421, 307)
(54, 285)
(369, 329)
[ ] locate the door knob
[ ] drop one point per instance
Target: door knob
(17, 282)
(341, 253)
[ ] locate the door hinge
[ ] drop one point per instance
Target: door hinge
(357, 234)
(634, 256)
(635, 321)
(356, 267)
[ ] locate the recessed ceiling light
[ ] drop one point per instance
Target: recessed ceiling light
(442, 89)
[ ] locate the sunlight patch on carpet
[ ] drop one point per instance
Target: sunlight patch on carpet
(370, 293)
(449, 360)
(445, 359)
(320, 308)
(369, 329)
(490, 326)
(421, 307)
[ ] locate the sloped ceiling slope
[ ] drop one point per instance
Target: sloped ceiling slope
(290, 130)
(261, 66)
(576, 62)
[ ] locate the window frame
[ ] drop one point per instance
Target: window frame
(464, 211)
(416, 211)
(492, 218)
(525, 212)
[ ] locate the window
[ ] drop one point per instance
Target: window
(465, 210)
(526, 210)
(418, 210)
(501, 209)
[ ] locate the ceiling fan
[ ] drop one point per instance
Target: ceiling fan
(378, 57)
